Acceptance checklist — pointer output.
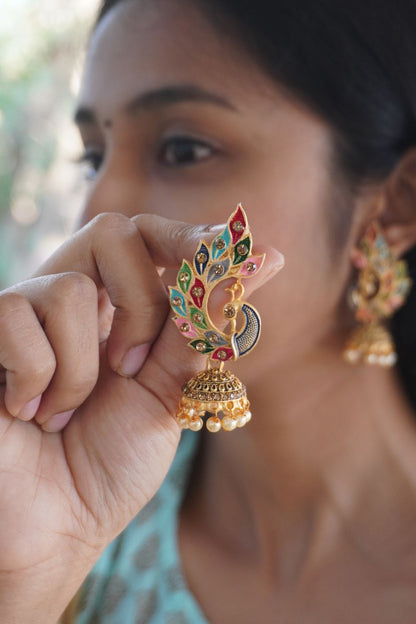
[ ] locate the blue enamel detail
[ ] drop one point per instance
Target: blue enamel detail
(201, 266)
(225, 236)
(247, 339)
(212, 276)
(220, 342)
(181, 310)
(380, 244)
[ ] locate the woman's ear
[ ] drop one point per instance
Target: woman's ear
(397, 208)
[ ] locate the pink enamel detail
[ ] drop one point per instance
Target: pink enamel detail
(257, 260)
(358, 259)
(192, 333)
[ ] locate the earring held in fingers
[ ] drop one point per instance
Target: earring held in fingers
(215, 396)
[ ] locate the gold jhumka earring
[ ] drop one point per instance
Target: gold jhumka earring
(214, 393)
(382, 287)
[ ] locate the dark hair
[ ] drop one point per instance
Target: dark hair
(354, 63)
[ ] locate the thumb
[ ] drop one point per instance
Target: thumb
(128, 427)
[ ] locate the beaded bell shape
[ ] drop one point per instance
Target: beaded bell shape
(216, 395)
(382, 287)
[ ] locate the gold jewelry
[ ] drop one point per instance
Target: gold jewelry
(216, 393)
(382, 287)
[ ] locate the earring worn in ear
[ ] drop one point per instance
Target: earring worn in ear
(216, 393)
(382, 287)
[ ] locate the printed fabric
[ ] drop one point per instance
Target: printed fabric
(138, 579)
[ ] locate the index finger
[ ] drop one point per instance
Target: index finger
(121, 255)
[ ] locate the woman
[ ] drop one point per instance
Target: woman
(306, 113)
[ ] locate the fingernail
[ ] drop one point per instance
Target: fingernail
(280, 259)
(276, 265)
(133, 360)
(214, 227)
(29, 410)
(57, 422)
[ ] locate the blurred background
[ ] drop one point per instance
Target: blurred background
(42, 187)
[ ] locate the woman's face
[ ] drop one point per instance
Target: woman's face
(183, 124)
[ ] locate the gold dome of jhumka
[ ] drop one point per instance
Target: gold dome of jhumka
(215, 394)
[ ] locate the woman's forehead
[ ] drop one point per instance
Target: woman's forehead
(142, 46)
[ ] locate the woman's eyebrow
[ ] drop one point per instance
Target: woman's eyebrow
(176, 94)
(158, 98)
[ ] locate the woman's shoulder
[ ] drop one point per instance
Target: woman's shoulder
(138, 579)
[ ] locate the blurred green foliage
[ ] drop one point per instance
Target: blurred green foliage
(41, 47)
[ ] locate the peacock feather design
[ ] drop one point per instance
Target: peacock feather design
(216, 392)
(383, 284)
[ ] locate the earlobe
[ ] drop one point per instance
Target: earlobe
(400, 238)
(397, 214)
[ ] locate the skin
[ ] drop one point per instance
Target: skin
(309, 513)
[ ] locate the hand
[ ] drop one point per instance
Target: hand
(106, 379)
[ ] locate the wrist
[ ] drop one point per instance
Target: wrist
(41, 594)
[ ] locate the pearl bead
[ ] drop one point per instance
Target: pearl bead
(391, 359)
(352, 356)
(248, 416)
(196, 423)
(372, 358)
(183, 422)
(213, 424)
(229, 423)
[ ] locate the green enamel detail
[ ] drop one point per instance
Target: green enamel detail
(401, 270)
(208, 348)
(365, 248)
(238, 258)
(185, 270)
(202, 324)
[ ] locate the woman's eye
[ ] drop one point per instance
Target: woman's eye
(92, 159)
(182, 151)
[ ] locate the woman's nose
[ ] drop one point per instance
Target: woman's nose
(114, 192)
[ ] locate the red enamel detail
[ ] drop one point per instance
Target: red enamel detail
(358, 259)
(365, 315)
(237, 217)
(371, 233)
(197, 300)
(229, 353)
